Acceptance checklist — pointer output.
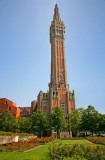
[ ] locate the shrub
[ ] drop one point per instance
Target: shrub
(97, 140)
(43, 140)
(2, 149)
(78, 152)
(3, 133)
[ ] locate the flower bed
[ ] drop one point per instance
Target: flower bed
(45, 140)
(97, 140)
(26, 145)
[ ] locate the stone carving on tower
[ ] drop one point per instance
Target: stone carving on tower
(59, 94)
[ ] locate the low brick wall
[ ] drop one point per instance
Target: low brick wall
(63, 135)
(8, 139)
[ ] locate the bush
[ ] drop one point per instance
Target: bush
(43, 140)
(2, 149)
(3, 133)
(97, 140)
(78, 152)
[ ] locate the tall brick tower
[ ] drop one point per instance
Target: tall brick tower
(57, 37)
(59, 94)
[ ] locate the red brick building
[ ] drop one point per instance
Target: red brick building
(25, 111)
(6, 104)
(59, 94)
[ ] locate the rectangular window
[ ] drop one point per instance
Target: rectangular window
(1, 107)
(63, 107)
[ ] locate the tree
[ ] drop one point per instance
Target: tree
(24, 124)
(39, 122)
(7, 121)
(102, 123)
(49, 125)
(58, 120)
(75, 120)
(90, 120)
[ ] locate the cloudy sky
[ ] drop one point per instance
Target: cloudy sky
(25, 54)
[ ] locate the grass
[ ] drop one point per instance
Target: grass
(71, 142)
(40, 153)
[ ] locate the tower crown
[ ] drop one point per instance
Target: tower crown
(56, 16)
(57, 27)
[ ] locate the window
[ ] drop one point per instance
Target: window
(1, 107)
(9, 108)
(63, 107)
(53, 93)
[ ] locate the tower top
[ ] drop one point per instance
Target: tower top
(56, 14)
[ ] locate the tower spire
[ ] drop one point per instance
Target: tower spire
(56, 13)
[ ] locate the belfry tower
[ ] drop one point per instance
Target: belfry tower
(59, 94)
(57, 37)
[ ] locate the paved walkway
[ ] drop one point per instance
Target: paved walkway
(33, 148)
(88, 141)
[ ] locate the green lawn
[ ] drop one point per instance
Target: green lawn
(40, 153)
(71, 142)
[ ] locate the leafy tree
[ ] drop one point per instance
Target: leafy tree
(39, 122)
(49, 124)
(102, 123)
(24, 124)
(75, 121)
(58, 120)
(7, 121)
(90, 119)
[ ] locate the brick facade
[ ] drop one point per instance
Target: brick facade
(6, 104)
(25, 111)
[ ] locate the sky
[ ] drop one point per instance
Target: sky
(25, 51)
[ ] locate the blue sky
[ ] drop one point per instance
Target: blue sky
(25, 49)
